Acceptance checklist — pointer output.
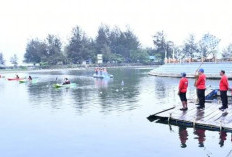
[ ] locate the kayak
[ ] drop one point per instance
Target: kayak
(65, 85)
(103, 76)
(28, 81)
(15, 79)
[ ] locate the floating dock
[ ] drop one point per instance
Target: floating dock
(211, 118)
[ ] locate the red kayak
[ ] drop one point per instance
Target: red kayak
(15, 79)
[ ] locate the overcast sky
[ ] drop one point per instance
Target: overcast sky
(22, 20)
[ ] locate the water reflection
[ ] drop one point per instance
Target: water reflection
(200, 136)
(90, 92)
(102, 83)
(222, 138)
(183, 134)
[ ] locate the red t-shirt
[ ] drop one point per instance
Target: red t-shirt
(183, 85)
(224, 86)
(201, 82)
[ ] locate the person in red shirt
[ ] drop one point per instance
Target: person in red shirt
(183, 85)
(200, 84)
(224, 86)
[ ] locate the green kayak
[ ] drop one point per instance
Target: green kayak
(28, 81)
(72, 85)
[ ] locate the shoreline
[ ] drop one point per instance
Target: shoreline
(191, 76)
(6, 71)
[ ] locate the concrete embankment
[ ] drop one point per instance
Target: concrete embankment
(212, 70)
(173, 75)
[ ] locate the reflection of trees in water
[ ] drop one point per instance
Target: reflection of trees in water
(109, 94)
(43, 92)
(118, 97)
(82, 98)
(160, 88)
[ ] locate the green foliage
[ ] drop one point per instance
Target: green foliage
(23, 67)
(14, 60)
(44, 64)
(2, 61)
(163, 48)
(140, 56)
(191, 49)
(34, 51)
(117, 46)
(80, 47)
(227, 52)
(48, 51)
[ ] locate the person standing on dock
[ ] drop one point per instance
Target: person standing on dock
(183, 85)
(200, 84)
(224, 86)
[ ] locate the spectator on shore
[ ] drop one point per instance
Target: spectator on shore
(30, 78)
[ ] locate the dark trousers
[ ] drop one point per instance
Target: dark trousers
(201, 97)
(224, 98)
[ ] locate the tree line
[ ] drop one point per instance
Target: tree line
(191, 49)
(117, 46)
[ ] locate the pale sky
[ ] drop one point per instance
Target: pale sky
(22, 20)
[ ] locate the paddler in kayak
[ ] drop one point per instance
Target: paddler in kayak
(30, 78)
(66, 81)
(183, 85)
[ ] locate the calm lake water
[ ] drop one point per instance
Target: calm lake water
(98, 118)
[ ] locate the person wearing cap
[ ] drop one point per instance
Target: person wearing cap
(224, 86)
(183, 85)
(200, 84)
